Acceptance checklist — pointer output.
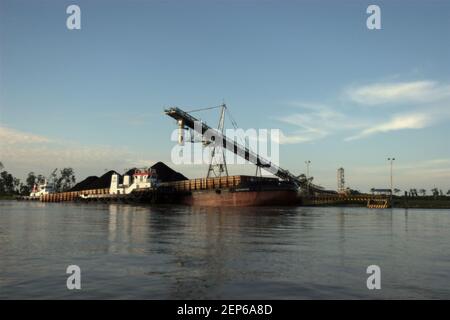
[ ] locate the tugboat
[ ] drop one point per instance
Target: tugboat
(40, 189)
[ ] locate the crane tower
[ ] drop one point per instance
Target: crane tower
(340, 180)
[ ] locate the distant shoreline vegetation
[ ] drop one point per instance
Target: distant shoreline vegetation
(10, 186)
(64, 179)
(421, 202)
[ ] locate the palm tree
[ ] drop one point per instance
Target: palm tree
(423, 192)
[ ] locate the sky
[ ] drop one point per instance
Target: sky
(341, 94)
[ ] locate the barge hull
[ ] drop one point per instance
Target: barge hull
(244, 198)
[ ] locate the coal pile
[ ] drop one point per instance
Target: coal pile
(94, 182)
(167, 174)
(130, 172)
(84, 185)
(164, 172)
(104, 181)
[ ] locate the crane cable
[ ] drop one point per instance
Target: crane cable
(233, 122)
(203, 109)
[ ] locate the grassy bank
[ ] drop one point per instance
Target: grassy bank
(8, 196)
(430, 202)
(427, 202)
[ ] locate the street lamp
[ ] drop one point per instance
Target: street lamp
(391, 161)
(307, 168)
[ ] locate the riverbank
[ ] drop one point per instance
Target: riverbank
(430, 202)
(427, 202)
(8, 196)
(441, 202)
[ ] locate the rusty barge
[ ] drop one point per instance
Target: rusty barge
(237, 191)
(160, 184)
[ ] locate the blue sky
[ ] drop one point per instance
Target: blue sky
(341, 94)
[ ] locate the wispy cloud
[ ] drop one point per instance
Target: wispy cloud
(407, 174)
(314, 121)
(427, 103)
(398, 122)
(12, 136)
(419, 104)
(398, 93)
(21, 152)
(300, 137)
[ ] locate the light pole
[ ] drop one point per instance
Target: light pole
(307, 174)
(391, 161)
(307, 168)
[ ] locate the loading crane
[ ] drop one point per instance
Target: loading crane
(187, 121)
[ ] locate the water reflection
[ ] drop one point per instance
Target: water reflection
(182, 252)
(127, 229)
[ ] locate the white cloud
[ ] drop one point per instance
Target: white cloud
(300, 137)
(12, 136)
(398, 122)
(316, 121)
(442, 161)
(427, 102)
(22, 152)
(407, 174)
(398, 93)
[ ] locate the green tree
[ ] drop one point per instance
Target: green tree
(62, 180)
(423, 192)
(67, 179)
(435, 192)
(8, 183)
(31, 180)
(54, 180)
(24, 190)
(16, 183)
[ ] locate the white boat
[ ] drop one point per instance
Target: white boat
(41, 189)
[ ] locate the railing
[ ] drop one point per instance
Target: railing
(216, 183)
(71, 195)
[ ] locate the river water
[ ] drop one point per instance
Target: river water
(127, 251)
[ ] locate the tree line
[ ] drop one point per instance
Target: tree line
(435, 192)
(61, 180)
(64, 179)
